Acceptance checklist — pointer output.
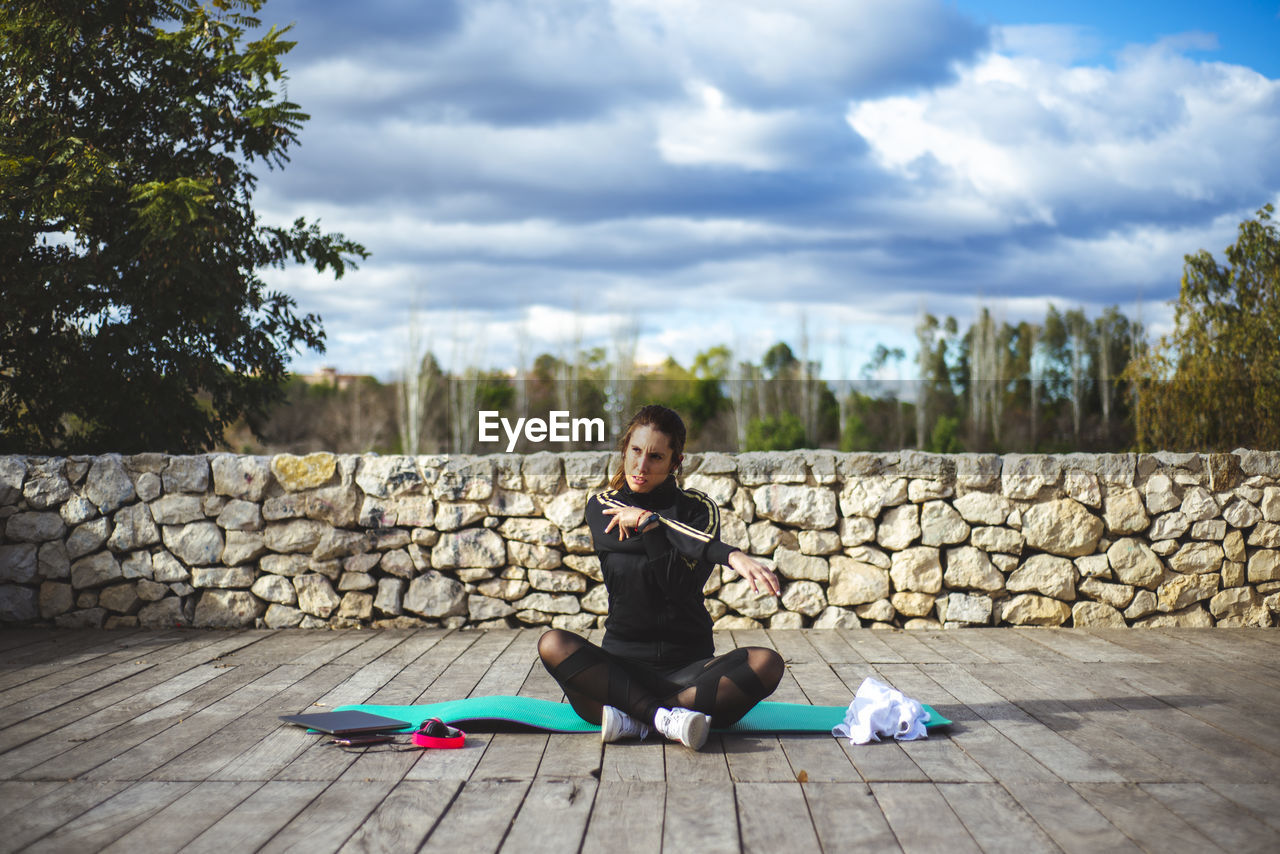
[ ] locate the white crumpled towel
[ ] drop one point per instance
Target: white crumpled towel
(879, 710)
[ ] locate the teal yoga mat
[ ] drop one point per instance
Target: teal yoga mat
(505, 713)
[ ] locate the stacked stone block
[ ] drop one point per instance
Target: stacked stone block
(905, 540)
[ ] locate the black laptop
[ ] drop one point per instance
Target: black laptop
(346, 723)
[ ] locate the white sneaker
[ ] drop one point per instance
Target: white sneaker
(616, 725)
(686, 726)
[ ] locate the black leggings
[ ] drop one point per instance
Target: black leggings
(724, 687)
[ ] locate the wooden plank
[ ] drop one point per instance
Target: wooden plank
(1230, 826)
(707, 765)
(182, 820)
(757, 759)
(571, 754)
(788, 690)
(107, 821)
(94, 751)
(237, 720)
(553, 817)
(866, 643)
(792, 646)
(1168, 731)
(59, 807)
(1144, 819)
(635, 761)
(59, 707)
(847, 817)
(942, 761)
(252, 822)
(321, 761)
(820, 684)
(1048, 748)
(751, 637)
(774, 817)
(819, 757)
(66, 672)
(724, 642)
(512, 756)
(47, 651)
(329, 820)
(980, 741)
(538, 683)
(1071, 821)
(255, 745)
(334, 647)
(511, 668)
(44, 751)
(626, 813)
(1235, 703)
(404, 688)
(1100, 734)
(1233, 646)
(948, 646)
(14, 637)
(995, 820)
(1082, 646)
(461, 676)
(941, 757)
(403, 819)
(16, 794)
(994, 645)
(478, 818)
(904, 804)
(1261, 799)
(135, 763)
(700, 818)
(910, 646)
(451, 765)
(832, 646)
(883, 762)
(394, 656)
(372, 646)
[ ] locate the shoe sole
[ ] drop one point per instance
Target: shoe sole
(698, 730)
(609, 729)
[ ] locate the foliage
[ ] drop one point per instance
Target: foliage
(1214, 383)
(134, 316)
(945, 438)
(783, 433)
(349, 416)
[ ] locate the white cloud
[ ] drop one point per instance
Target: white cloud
(1038, 139)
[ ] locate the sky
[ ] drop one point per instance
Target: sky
(543, 175)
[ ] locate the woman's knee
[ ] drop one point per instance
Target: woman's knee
(555, 645)
(768, 666)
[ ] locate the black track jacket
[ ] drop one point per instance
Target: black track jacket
(655, 579)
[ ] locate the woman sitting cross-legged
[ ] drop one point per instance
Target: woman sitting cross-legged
(657, 545)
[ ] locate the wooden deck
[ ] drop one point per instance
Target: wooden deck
(1153, 740)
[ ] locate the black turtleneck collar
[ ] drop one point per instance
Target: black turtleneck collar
(664, 495)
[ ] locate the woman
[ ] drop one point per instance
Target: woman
(657, 545)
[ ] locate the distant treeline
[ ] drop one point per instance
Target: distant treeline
(1050, 386)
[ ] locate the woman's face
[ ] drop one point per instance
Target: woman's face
(648, 460)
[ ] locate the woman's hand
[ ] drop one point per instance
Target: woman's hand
(626, 519)
(754, 571)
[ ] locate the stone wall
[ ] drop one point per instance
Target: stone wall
(909, 540)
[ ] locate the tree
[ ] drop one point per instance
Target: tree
(784, 433)
(1214, 383)
(134, 316)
